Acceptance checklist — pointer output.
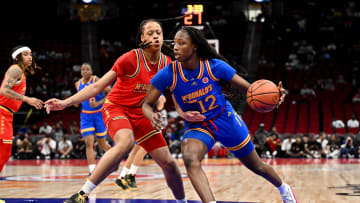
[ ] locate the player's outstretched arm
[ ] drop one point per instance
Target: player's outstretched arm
(84, 94)
(239, 82)
(13, 75)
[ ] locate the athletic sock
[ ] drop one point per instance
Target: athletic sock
(88, 187)
(123, 173)
(91, 167)
(133, 169)
(282, 188)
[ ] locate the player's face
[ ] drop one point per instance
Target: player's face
(184, 49)
(86, 71)
(152, 32)
(27, 58)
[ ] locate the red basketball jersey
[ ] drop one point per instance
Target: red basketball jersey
(13, 104)
(134, 73)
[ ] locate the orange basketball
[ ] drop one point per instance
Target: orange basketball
(263, 96)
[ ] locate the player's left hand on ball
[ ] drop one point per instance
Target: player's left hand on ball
(282, 94)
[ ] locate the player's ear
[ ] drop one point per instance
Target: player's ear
(142, 37)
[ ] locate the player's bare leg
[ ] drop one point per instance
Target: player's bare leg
(171, 171)
(193, 151)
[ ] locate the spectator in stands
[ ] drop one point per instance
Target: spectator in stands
(175, 139)
(74, 129)
(45, 129)
(292, 62)
(24, 148)
(286, 145)
(34, 128)
(323, 142)
(218, 148)
(58, 131)
(329, 84)
(353, 125)
(333, 147)
(79, 148)
(340, 80)
(337, 124)
(65, 148)
(307, 93)
(274, 130)
(297, 149)
(167, 135)
(272, 145)
(312, 147)
(347, 149)
(260, 138)
(356, 98)
(47, 147)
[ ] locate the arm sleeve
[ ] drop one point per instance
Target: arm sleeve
(222, 70)
(163, 78)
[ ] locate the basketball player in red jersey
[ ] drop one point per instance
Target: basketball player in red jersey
(12, 95)
(122, 111)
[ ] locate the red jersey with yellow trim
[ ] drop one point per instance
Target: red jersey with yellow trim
(13, 104)
(134, 73)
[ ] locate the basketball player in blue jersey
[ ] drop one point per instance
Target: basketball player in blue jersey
(194, 79)
(91, 120)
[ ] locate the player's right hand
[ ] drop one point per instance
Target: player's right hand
(157, 122)
(54, 105)
(37, 103)
(282, 94)
(193, 116)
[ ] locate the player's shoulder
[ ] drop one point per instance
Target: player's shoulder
(127, 57)
(78, 81)
(15, 71)
(15, 67)
(129, 54)
(216, 61)
(96, 78)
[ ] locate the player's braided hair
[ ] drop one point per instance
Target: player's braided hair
(206, 51)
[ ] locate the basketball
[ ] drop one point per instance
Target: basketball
(263, 96)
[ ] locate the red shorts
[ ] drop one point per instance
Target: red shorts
(6, 125)
(118, 117)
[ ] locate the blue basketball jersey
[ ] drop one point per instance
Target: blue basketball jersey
(199, 89)
(85, 105)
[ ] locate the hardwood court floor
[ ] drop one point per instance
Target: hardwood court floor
(317, 180)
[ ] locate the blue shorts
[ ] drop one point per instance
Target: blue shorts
(228, 128)
(92, 124)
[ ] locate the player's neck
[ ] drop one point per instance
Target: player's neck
(86, 80)
(152, 56)
(191, 64)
